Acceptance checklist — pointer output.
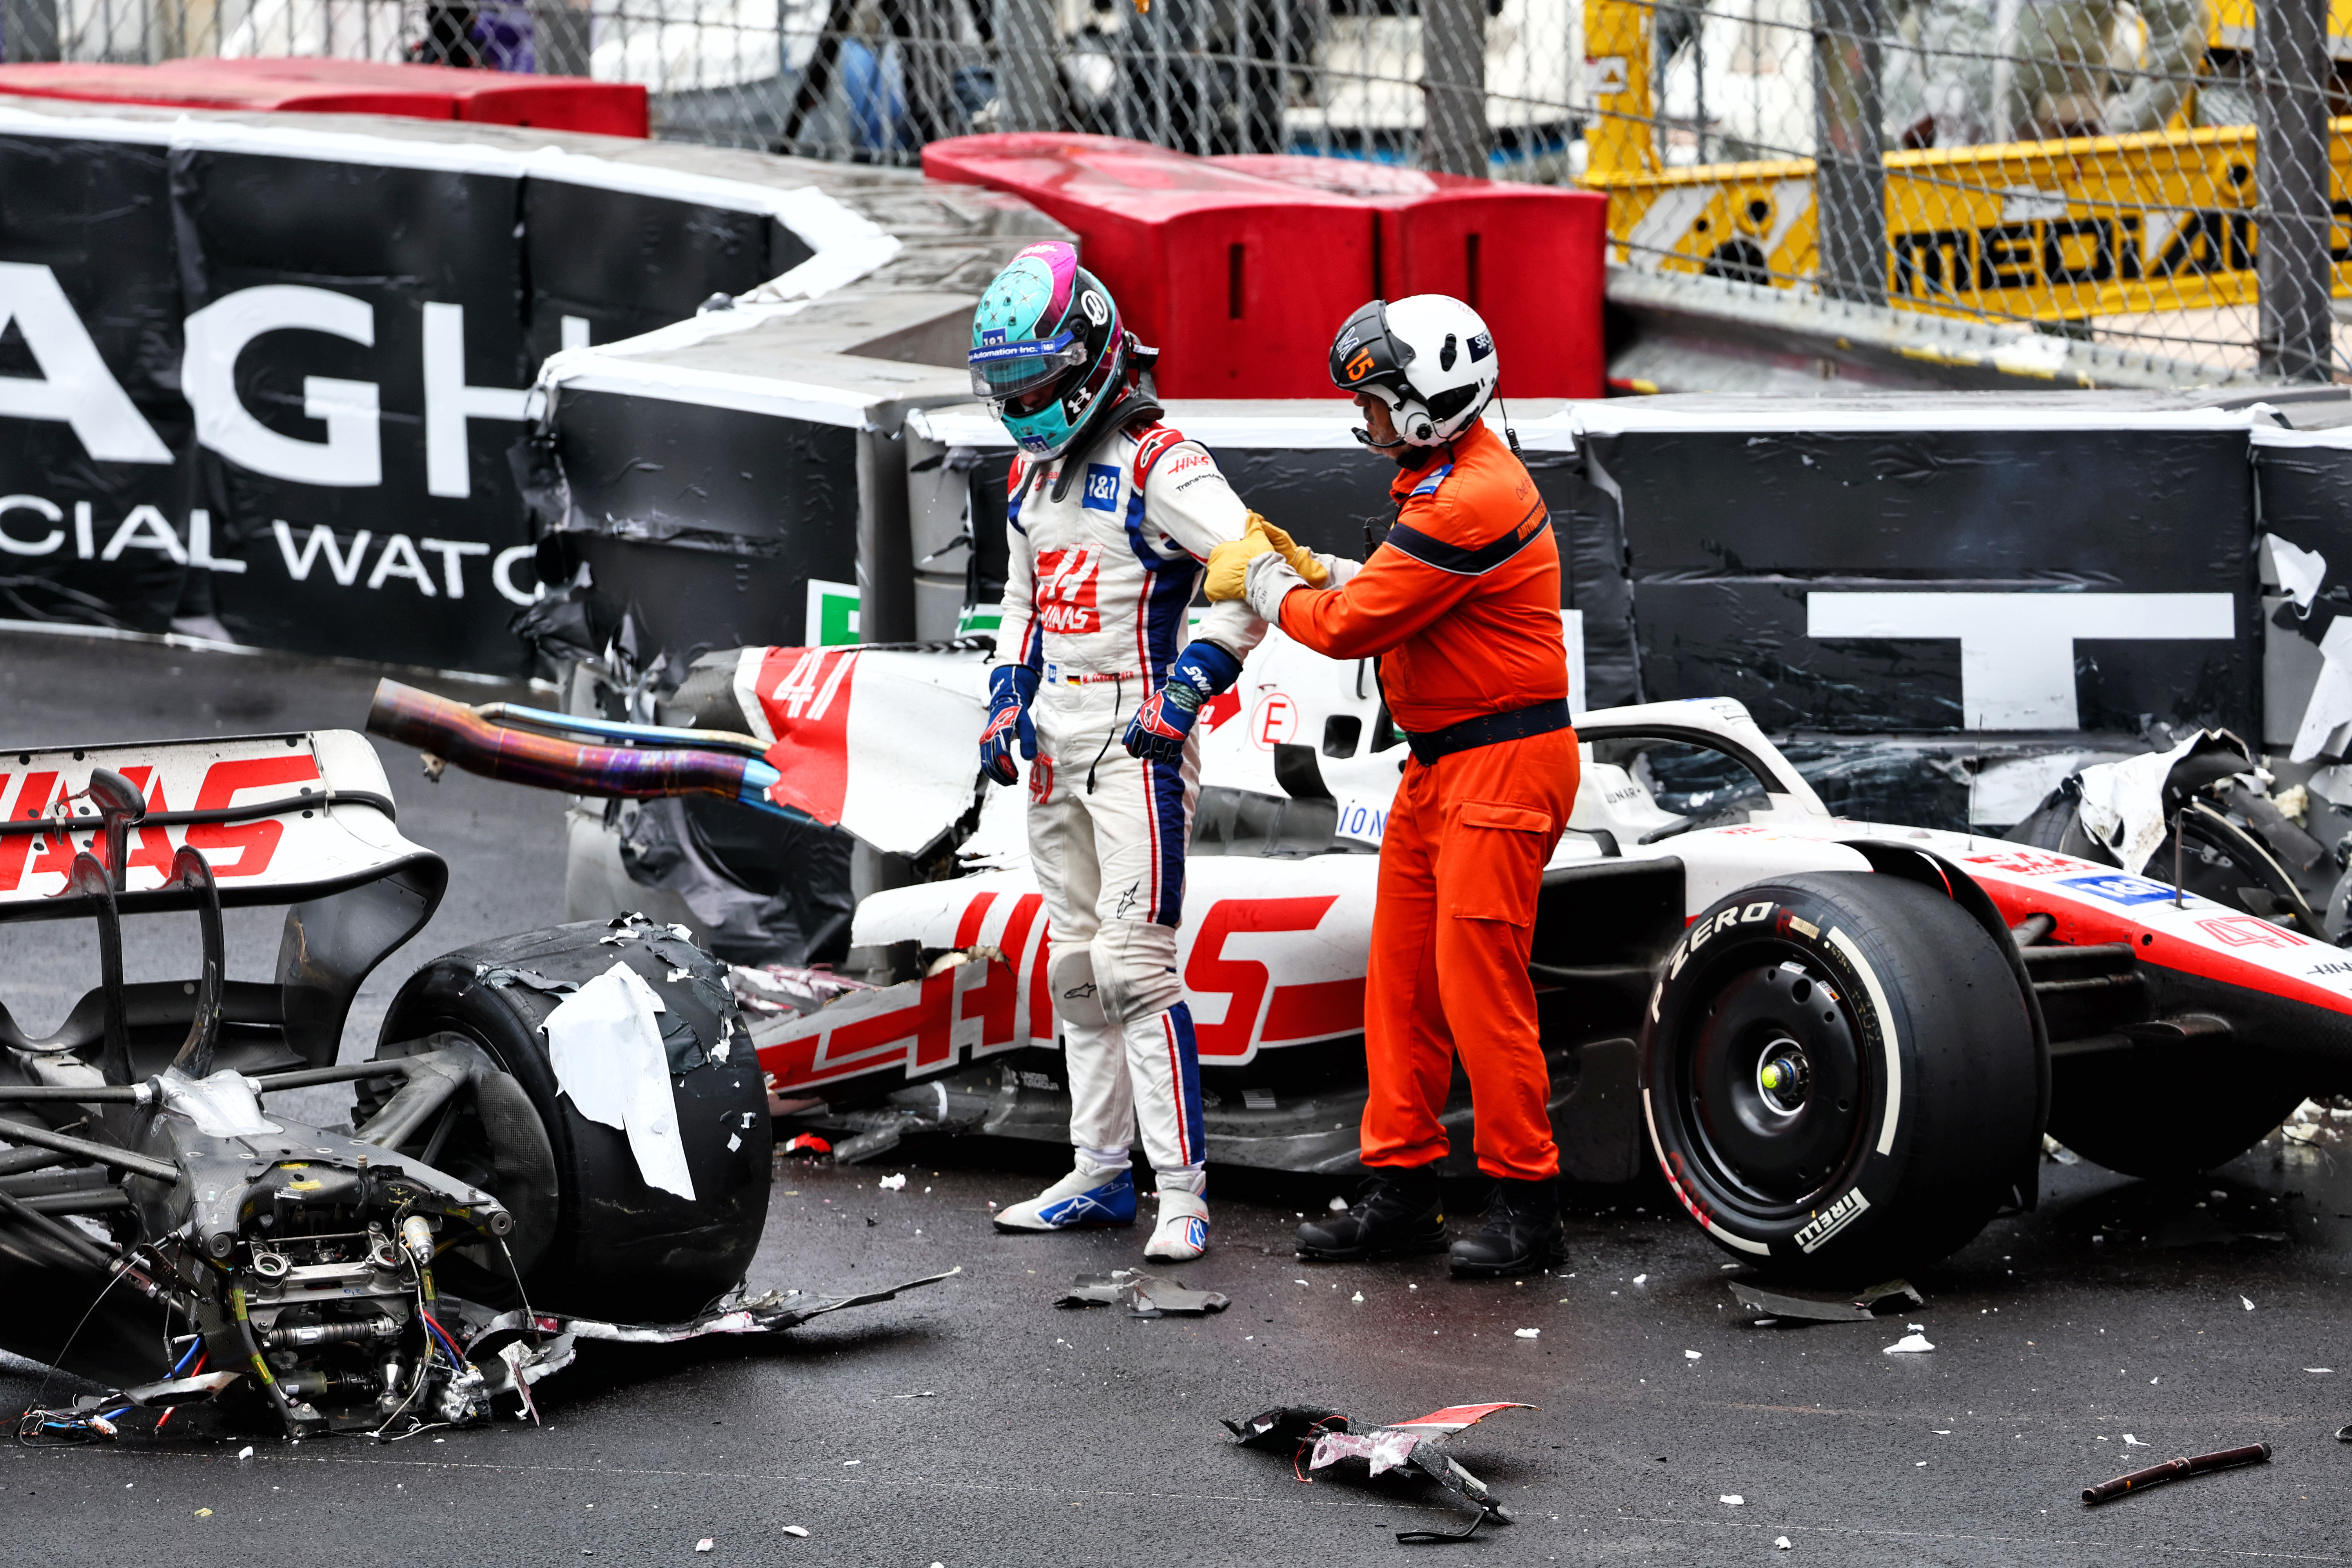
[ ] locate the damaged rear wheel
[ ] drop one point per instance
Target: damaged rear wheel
(1840, 1076)
(616, 1248)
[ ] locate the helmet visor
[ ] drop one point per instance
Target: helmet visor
(1003, 371)
(1365, 356)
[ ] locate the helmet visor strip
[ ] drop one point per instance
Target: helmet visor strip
(1001, 371)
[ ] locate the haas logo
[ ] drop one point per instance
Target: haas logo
(1066, 590)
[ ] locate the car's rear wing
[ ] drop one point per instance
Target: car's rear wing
(302, 820)
(283, 819)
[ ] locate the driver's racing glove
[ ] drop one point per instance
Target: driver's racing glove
(1011, 688)
(1158, 731)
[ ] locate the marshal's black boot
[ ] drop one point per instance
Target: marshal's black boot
(1521, 1233)
(1400, 1213)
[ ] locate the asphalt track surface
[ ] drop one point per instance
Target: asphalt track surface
(974, 1424)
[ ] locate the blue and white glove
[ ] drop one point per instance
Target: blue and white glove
(1158, 732)
(1011, 688)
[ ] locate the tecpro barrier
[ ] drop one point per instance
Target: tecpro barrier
(1242, 269)
(318, 85)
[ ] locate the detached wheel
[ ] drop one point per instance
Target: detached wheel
(2163, 1110)
(613, 1246)
(1840, 1076)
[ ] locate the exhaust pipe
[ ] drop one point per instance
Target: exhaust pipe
(456, 734)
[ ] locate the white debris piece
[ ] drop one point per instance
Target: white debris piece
(244, 1453)
(1734, 1498)
(2319, 1368)
(1908, 1344)
(2329, 708)
(1359, 1296)
(1691, 1355)
(1339, 1205)
(607, 1053)
(2122, 803)
(892, 1184)
(2333, 784)
(2246, 1303)
(1525, 1333)
(703, 1544)
(2292, 570)
(1781, 1541)
(796, 1530)
(2132, 1442)
(1641, 1279)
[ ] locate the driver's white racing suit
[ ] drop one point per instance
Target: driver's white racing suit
(1096, 602)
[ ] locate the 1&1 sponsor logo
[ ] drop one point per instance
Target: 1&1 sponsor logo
(1102, 488)
(2120, 888)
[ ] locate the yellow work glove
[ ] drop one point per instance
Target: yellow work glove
(1229, 563)
(1303, 560)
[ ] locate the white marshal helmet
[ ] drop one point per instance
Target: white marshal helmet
(1429, 357)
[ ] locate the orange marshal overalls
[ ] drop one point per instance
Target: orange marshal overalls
(1462, 604)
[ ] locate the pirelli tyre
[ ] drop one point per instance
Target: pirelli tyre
(1840, 1076)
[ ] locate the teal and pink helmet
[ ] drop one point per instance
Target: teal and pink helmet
(1047, 348)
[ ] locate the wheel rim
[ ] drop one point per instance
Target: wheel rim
(1773, 1081)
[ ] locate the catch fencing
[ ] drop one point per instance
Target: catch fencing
(2164, 179)
(2166, 176)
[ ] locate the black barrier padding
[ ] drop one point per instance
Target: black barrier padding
(1324, 498)
(95, 215)
(245, 221)
(710, 522)
(1731, 531)
(2307, 499)
(992, 553)
(1586, 519)
(629, 263)
(1870, 781)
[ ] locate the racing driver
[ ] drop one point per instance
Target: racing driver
(1461, 606)
(1110, 516)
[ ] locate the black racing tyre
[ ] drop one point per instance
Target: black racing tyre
(1840, 1076)
(619, 1248)
(2164, 1110)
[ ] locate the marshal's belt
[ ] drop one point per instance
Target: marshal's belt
(1489, 730)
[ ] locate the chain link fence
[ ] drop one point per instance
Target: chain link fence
(873, 79)
(2158, 175)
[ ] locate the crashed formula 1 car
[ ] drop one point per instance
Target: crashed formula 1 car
(1842, 1041)
(166, 1229)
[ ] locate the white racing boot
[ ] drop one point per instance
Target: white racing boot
(1183, 1233)
(1089, 1195)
